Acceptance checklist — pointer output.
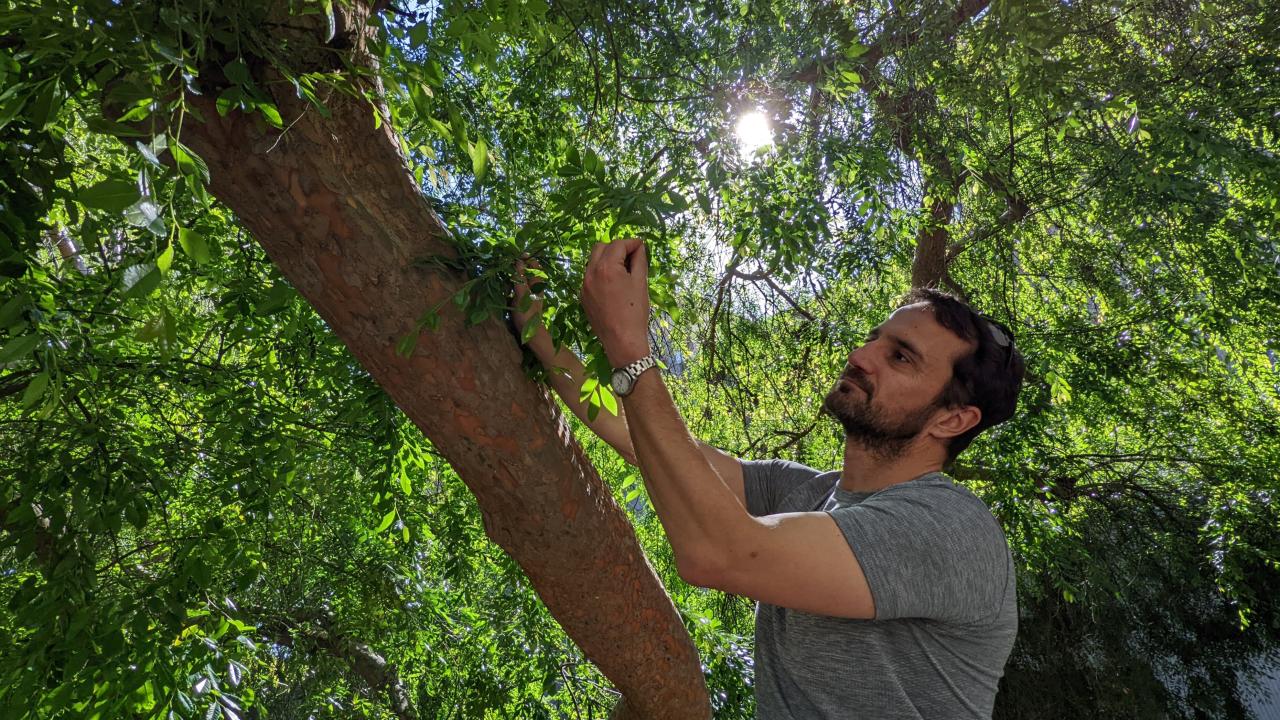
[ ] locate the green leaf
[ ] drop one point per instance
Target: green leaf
(420, 96)
(331, 24)
(230, 99)
(150, 151)
(1060, 389)
(272, 114)
(608, 400)
(146, 214)
(405, 485)
(141, 110)
(112, 195)
(46, 105)
(530, 328)
(387, 519)
(592, 163)
(187, 161)
(704, 203)
(855, 50)
(237, 72)
(153, 329)
(18, 347)
(165, 259)
(406, 344)
(35, 389)
(588, 387)
(479, 159)
(193, 245)
(11, 311)
(140, 280)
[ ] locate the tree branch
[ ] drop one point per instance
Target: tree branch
(335, 208)
(367, 664)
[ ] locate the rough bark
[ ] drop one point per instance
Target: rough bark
(941, 182)
(334, 206)
(929, 267)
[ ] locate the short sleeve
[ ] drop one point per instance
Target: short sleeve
(932, 551)
(766, 483)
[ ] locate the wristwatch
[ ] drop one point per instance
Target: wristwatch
(624, 379)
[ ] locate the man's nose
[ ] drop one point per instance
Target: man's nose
(860, 358)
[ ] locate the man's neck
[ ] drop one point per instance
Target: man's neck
(865, 471)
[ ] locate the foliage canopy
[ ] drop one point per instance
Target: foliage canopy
(208, 507)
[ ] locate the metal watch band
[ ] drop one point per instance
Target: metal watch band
(639, 366)
(634, 370)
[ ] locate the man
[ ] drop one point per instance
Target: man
(885, 590)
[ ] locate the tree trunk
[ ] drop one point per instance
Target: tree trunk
(334, 206)
(930, 263)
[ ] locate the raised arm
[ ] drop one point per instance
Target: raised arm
(795, 560)
(567, 375)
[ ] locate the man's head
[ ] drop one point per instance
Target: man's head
(936, 373)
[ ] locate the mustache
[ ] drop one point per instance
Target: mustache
(857, 377)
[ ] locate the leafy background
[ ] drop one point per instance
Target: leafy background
(209, 508)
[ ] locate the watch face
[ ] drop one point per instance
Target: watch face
(621, 382)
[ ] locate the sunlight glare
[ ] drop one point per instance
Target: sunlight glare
(753, 132)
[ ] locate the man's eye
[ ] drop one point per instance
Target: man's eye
(901, 357)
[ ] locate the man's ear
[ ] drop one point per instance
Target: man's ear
(955, 421)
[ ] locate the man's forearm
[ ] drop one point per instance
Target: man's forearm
(567, 374)
(697, 508)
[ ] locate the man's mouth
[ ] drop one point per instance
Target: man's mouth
(855, 381)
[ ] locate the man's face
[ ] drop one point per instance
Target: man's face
(888, 393)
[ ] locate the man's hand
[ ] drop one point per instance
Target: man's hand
(615, 296)
(524, 287)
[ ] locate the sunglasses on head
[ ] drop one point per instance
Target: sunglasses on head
(1000, 336)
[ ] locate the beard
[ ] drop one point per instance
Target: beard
(883, 434)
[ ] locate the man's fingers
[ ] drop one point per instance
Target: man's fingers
(638, 261)
(630, 244)
(596, 251)
(615, 254)
(619, 252)
(627, 253)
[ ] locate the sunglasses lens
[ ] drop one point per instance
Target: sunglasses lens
(998, 335)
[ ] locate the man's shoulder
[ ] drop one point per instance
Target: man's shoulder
(937, 487)
(774, 486)
(947, 502)
(780, 469)
(784, 472)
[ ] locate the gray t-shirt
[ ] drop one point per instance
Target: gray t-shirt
(942, 577)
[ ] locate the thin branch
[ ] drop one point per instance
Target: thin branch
(768, 280)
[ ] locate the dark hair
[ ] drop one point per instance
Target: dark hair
(989, 378)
